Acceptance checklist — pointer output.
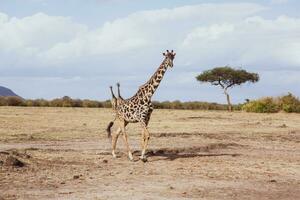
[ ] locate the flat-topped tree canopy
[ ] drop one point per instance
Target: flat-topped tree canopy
(227, 77)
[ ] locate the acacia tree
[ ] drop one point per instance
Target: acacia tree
(227, 77)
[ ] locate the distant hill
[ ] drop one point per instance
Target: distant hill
(6, 92)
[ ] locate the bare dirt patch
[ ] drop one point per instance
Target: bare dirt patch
(217, 155)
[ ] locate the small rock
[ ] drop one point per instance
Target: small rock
(105, 161)
(171, 188)
(62, 182)
(273, 181)
(283, 126)
(13, 162)
(76, 177)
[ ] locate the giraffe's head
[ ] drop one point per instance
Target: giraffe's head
(169, 57)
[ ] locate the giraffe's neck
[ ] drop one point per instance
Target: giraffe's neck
(148, 89)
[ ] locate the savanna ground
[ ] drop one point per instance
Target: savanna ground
(192, 155)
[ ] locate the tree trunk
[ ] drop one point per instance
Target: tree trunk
(228, 100)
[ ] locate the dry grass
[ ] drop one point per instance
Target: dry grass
(192, 155)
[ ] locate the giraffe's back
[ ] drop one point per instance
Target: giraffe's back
(135, 111)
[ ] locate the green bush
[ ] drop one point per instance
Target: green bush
(191, 105)
(289, 103)
(77, 103)
(36, 103)
(67, 102)
(56, 103)
(265, 105)
(106, 104)
(90, 103)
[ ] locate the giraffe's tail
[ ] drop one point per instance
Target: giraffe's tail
(108, 129)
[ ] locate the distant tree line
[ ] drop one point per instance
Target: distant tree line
(58, 102)
(69, 102)
(287, 103)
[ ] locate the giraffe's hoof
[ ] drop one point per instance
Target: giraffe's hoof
(144, 158)
(114, 155)
(131, 158)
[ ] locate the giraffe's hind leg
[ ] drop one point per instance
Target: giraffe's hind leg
(125, 138)
(114, 141)
(145, 138)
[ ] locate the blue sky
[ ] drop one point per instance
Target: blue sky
(53, 48)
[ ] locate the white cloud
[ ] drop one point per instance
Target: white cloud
(55, 40)
(253, 41)
(24, 39)
(210, 33)
(279, 1)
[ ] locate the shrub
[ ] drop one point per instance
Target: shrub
(90, 104)
(66, 102)
(3, 101)
(265, 105)
(191, 105)
(289, 103)
(43, 102)
(14, 101)
(56, 103)
(77, 103)
(106, 104)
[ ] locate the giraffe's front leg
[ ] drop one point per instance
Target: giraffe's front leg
(146, 137)
(114, 142)
(125, 137)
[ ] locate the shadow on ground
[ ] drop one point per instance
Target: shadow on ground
(189, 152)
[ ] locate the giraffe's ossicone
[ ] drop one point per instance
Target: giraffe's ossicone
(138, 108)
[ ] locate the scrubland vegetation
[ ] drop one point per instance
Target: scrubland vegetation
(69, 102)
(287, 103)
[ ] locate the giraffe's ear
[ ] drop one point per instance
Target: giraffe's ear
(164, 54)
(174, 54)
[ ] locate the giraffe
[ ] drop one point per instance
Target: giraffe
(138, 108)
